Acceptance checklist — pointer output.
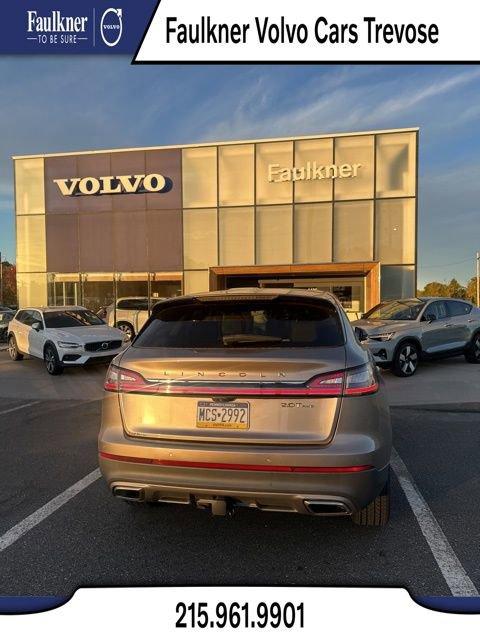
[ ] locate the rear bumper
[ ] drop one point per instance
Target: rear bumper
(272, 491)
(325, 495)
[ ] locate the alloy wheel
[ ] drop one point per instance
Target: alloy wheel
(127, 330)
(408, 359)
(50, 360)
(476, 348)
(12, 349)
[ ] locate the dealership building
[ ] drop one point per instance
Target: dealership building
(334, 212)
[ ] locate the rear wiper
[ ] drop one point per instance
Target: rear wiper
(247, 338)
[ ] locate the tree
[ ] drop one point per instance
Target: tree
(9, 283)
(456, 290)
(472, 290)
(435, 289)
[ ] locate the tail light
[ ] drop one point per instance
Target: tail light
(361, 381)
(354, 382)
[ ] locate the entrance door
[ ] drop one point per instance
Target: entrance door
(350, 291)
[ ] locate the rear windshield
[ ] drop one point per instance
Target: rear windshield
(70, 318)
(240, 324)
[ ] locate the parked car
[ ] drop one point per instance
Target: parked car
(5, 317)
(131, 314)
(63, 336)
(400, 333)
(249, 397)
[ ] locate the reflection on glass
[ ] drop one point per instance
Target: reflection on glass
(29, 186)
(274, 235)
(199, 175)
(355, 150)
(195, 281)
(272, 157)
(97, 290)
(397, 282)
(63, 289)
(237, 236)
(313, 233)
(199, 238)
(319, 152)
(236, 174)
(396, 164)
(32, 289)
(31, 252)
(395, 231)
(353, 231)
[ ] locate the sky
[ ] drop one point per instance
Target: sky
(50, 104)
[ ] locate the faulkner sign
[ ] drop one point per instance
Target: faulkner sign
(311, 171)
(108, 185)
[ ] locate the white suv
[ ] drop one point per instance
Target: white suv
(63, 336)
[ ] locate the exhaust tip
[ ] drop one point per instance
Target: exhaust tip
(128, 493)
(327, 508)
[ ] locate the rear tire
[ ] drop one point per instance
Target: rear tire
(127, 329)
(377, 513)
(52, 362)
(472, 353)
(405, 361)
(13, 351)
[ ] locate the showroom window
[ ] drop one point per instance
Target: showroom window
(353, 231)
(31, 244)
(274, 235)
(200, 238)
(318, 151)
(397, 282)
(396, 170)
(313, 233)
(281, 155)
(355, 150)
(199, 171)
(29, 186)
(236, 228)
(395, 231)
(236, 174)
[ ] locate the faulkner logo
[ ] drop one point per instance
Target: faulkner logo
(56, 28)
(111, 26)
(311, 171)
(110, 185)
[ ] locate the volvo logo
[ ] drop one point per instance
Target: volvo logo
(111, 26)
(104, 345)
(91, 186)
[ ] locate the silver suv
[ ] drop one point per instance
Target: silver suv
(399, 333)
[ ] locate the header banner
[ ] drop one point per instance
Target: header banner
(193, 31)
(283, 31)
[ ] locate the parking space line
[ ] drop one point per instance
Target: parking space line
(22, 406)
(20, 529)
(450, 566)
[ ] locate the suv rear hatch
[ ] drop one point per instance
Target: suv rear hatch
(266, 369)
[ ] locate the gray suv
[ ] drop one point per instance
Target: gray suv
(400, 333)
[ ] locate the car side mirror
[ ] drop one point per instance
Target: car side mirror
(430, 317)
(37, 326)
(361, 334)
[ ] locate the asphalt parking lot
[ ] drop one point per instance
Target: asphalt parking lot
(60, 529)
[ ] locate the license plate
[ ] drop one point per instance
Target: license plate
(223, 415)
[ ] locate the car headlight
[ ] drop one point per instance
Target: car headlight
(69, 345)
(383, 337)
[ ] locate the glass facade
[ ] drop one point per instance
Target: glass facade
(337, 204)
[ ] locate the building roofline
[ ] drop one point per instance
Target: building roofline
(215, 144)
